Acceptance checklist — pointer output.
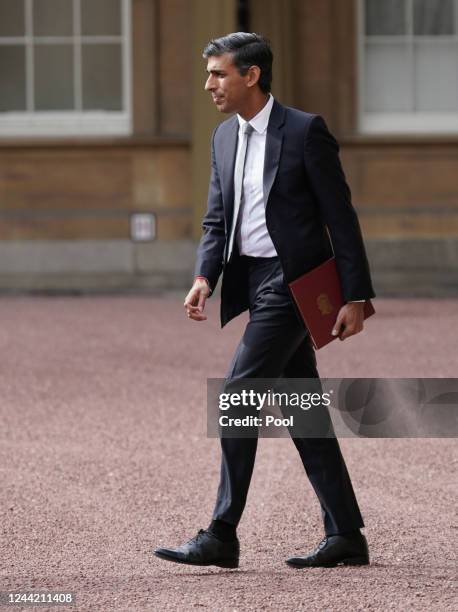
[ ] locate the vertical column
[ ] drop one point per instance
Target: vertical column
(276, 20)
(145, 67)
(345, 67)
(210, 20)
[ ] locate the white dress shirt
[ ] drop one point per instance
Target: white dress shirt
(252, 236)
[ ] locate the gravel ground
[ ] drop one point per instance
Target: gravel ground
(104, 456)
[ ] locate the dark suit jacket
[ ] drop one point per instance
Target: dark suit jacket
(309, 214)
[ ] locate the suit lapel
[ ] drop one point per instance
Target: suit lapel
(274, 142)
(227, 175)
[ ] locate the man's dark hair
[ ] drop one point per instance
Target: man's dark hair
(248, 49)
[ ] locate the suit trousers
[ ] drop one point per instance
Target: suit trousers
(276, 344)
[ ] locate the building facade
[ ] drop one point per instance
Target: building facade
(105, 129)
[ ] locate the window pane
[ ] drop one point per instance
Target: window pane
(52, 18)
(102, 77)
(12, 18)
(387, 78)
(385, 17)
(12, 78)
(433, 17)
(102, 17)
(54, 77)
(436, 77)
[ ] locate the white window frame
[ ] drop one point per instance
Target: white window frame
(441, 122)
(30, 123)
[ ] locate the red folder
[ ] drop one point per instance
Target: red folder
(318, 297)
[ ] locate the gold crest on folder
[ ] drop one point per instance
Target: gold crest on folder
(324, 304)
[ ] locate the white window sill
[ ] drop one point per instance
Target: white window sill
(409, 123)
(26, 125)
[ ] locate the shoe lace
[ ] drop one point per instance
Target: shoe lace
(197, 537)
(321, 545)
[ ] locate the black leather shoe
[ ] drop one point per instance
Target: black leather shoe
(335, 550)
(204, 549)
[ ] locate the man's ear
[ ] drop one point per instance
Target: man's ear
(254, 73)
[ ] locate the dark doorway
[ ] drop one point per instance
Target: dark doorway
(243, 15)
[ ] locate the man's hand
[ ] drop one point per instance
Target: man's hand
(194, 303)
(350, 320)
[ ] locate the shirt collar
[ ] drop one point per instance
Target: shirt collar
(261, 120)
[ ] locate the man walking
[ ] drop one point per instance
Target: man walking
(278, 206)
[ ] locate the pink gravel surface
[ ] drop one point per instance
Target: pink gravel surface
(104, 456)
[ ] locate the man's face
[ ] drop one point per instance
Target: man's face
(230, 90)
